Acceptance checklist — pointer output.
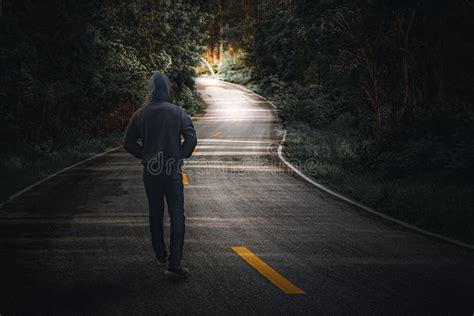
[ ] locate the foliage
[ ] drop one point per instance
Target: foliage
(85, 64)
(188, 99)
(73, 72)
(397, 74)
(388, 64)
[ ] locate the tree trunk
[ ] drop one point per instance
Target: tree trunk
(210, 45)
(221, 45)
(221, 32)
(407, 91)
(258, 12)
(372, 91)
(287, 3)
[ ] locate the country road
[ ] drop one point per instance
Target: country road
(79, 242)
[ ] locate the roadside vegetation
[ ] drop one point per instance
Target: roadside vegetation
(73, 72)
(30, 162)
(379, 93)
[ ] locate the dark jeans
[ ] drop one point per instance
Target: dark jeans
(170, 187)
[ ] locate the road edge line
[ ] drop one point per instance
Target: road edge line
(347, 199)
(35, 184)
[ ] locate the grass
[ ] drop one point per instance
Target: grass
(428, 199)
(24, 164)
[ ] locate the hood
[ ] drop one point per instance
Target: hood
(159, 90)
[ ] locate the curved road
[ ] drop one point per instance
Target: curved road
(79, 242)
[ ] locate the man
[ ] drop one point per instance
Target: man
(159, 125)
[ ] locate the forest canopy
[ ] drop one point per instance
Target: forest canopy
(84, 64)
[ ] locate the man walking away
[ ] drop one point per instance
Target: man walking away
(159, 125)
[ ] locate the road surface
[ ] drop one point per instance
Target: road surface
(79, 242)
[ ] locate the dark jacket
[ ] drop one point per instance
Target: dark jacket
(160, 125)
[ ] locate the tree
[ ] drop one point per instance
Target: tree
(84, 64)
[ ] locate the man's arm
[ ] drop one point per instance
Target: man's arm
(189, 135)
(130, 140)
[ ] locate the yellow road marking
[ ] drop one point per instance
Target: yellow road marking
(185, 179)
(216, 134)
(277, 279)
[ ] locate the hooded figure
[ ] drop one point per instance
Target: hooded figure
(160, 125)
(158, 88)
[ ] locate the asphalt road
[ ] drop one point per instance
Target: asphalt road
(79, 243)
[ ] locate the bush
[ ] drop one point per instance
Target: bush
(188, 99)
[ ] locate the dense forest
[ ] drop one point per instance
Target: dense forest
(389, 68)
(380, 92)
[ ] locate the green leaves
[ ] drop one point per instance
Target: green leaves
(79, 63)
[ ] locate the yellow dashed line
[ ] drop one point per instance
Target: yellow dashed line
(185, 179)
(216, 134)
(277, 279)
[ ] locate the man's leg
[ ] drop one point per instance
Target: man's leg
(175, 200)
(155, 194)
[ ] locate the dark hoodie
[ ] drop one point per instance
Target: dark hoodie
(160, 125)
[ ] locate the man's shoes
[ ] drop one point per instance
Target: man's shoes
(182, 273)
(161, 263)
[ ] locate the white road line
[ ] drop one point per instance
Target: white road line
(239, 168)
(243, 120)
(230, 117)
(233, 110)
(14, 196)
(230, 153)
(224, 140)
(219, 146)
